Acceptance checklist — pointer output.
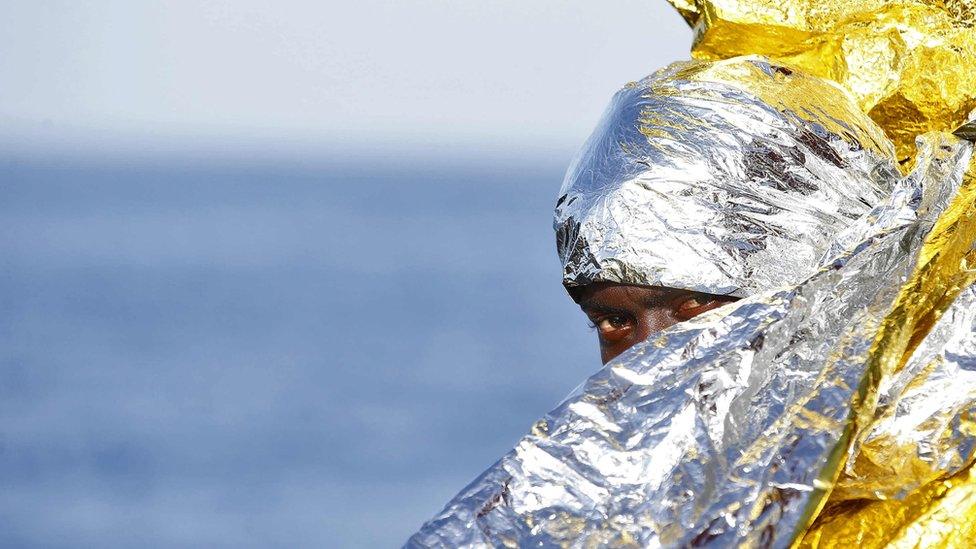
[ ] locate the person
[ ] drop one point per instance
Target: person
(785, 322)
(699, 187)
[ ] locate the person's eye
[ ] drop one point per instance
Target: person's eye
(694, 305)
(614, 327)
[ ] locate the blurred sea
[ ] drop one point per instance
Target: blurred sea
(270, 354)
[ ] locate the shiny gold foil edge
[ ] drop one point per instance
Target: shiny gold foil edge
(908, 62)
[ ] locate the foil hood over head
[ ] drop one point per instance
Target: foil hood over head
(722, 177)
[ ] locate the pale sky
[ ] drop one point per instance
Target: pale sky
(127, 75)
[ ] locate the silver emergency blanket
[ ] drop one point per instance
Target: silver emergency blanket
(726, 429)
(928, 407)
(726, 178)
(735, 427)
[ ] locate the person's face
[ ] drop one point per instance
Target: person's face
(623, 315)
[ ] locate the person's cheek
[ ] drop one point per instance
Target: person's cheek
(611, 350)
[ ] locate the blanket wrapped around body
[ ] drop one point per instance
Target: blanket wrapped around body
(834, 404)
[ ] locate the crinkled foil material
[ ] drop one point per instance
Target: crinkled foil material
(908, 62)
(732, 429)
(939, 515)
(913, 468)
(909, 481)
(727, 178)
(926, 415)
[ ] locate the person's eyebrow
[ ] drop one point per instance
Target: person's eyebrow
(659, 297)
(595, 306)
(650, 297)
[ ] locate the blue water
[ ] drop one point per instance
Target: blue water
(269, 353)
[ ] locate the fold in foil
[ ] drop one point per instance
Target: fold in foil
(908, 62)
(732, 429)
(926, 415)
(910, 482)
(914, 449)
(726, 178)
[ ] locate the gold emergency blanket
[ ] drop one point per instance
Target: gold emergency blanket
(912, 66)
(910, 63)
(918, 452)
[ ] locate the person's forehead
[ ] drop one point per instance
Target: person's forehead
(604, 295)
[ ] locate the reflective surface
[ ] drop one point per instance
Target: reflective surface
(725, 178)
(736, 426)
(909, 63)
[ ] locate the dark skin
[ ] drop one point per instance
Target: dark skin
(624, 315)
